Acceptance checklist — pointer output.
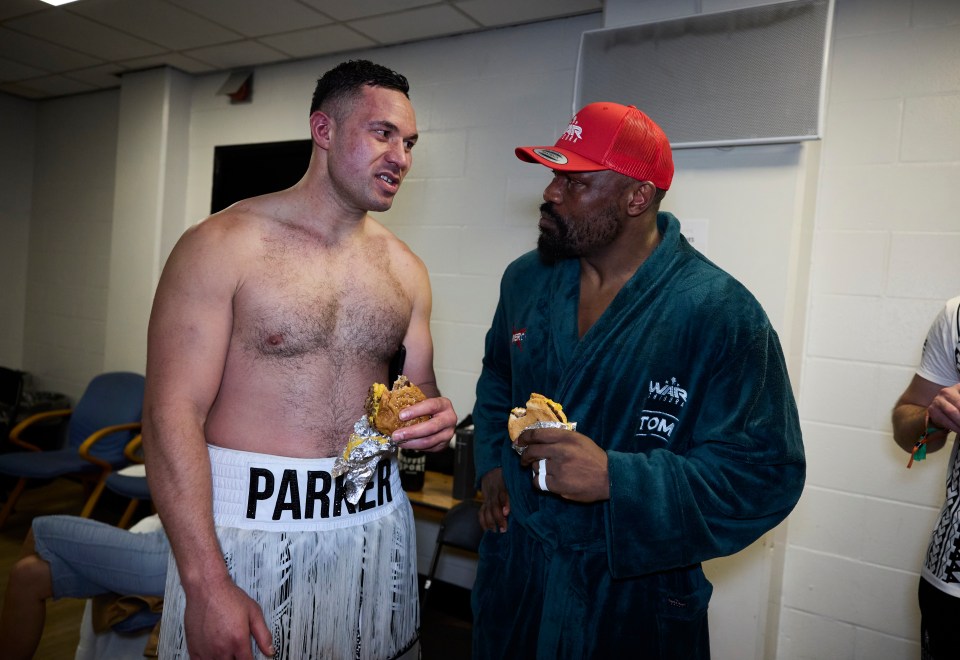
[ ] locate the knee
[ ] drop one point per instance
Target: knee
(31, 574)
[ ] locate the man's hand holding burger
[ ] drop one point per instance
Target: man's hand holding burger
(404, 413)
(576, 468)
(435, 433)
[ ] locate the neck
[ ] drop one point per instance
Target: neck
(315, 204)
(616, 263)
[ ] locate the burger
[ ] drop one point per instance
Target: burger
(539, 409)
(383, 405)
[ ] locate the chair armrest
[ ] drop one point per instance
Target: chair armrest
(29, 421)
(132, 451)
(95, 437)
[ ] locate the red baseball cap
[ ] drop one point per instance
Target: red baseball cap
(609, 136)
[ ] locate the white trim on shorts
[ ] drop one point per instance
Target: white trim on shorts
(281, 493)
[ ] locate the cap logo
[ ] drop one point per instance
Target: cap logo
(574, 131)
(551, 155)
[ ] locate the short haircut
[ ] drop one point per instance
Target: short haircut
(344, 82)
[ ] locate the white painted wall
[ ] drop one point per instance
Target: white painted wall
(70, 240)
(885, 252)
(885, 235)
(17, 135)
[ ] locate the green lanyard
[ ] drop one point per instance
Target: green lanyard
(919, 452)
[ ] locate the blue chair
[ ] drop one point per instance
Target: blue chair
(133, 486)
(99, 427)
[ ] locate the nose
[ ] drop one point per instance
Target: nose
(552, 192)
(399, 155)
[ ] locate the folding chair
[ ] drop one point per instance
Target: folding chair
(459, 528)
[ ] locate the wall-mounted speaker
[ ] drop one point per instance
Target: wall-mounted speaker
(747, 76)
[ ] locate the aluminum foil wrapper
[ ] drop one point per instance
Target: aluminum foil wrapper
(570, 426)
(360, 464)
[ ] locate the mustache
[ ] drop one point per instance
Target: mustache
(547, 209)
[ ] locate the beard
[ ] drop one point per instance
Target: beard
(575, 237)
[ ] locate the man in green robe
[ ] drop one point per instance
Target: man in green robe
(687, 443)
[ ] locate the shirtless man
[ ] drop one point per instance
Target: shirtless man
(271, 320)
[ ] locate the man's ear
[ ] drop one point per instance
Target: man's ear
(640, 196)
(321, 125)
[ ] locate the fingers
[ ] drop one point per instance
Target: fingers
(493, 517)
(945, 409)
(547, 436)
(540, 475)
(260, 632)
(433, 434)
(435, 406)
(496, 501)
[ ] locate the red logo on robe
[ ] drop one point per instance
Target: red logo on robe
(517, 337)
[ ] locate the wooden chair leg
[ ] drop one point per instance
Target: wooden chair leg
(94, 496)
(128, 514)
(12, 500)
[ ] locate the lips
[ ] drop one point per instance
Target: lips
(390, 181)
(549, 219)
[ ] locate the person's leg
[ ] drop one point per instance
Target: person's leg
(939, 613)
(71, 557)
(25, 604)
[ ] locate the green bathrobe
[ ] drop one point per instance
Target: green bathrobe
(682, 382)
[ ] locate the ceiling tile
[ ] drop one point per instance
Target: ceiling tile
(40, 54)
(346, 11)
(57, 86)
(101, 77)
(414, 24)
(507, 12)
(10, 70)
(22, 91)
(241, 53)
(318, 41)
(253, 18)
(157, 22)
(176, 60)
(83, 41)
(11, 8)
(83, 35)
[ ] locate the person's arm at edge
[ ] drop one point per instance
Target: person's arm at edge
(435, 433)
(909, 415)
(189, 333)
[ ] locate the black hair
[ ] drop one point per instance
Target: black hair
(346, 80)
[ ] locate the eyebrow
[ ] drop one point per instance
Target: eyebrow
(390, 126)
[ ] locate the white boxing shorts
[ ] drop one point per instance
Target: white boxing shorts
(334, 580)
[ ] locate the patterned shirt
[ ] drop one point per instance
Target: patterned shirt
(941, 364)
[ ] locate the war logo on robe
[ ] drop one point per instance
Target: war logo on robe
(661, 412)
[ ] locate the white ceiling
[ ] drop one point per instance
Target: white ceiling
(48, 51)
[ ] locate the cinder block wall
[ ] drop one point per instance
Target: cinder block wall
(886, 255)
(887, 239)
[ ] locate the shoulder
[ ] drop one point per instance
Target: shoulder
(940, 357)
(951, 310)
(234, 224)
(403, 261)
(221, 243)
(526, 266)
(710, 297)
(946, 324)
